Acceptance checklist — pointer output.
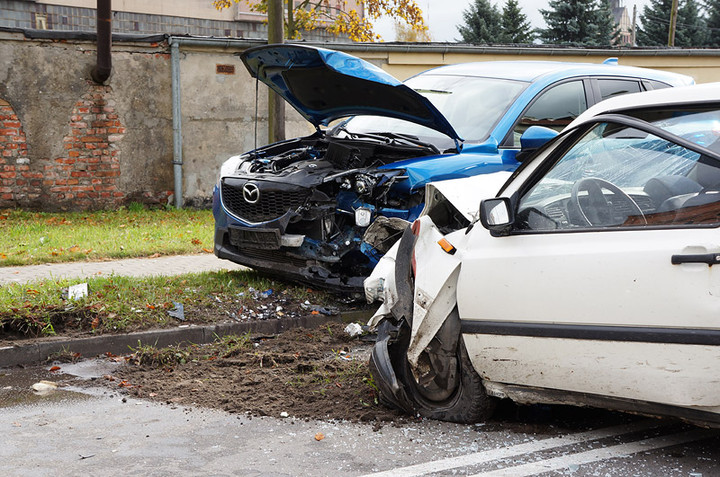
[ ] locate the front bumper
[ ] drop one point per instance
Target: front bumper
(284, 264)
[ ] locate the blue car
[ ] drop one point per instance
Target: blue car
(322, 209)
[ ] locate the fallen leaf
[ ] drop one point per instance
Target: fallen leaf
(3, 256)
(196, 241)
(207, 250)
(17, 424)
(154, 255)
(314, 312)
(95, 322)
(33, 292)
(54, 368)
(149, 306)
(74, 249)
(319, 436)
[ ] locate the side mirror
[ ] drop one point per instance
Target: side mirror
(535, 137)
(496, 215)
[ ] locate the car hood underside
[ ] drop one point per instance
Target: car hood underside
(324, 85)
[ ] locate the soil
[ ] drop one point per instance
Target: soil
(302, 373)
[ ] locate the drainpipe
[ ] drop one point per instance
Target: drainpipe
(101, 71)
(177, 121)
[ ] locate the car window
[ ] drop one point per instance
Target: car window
(618, 176)
(616, 87)
(472, 105)
(555, 108)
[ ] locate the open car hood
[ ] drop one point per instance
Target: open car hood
(323, 85)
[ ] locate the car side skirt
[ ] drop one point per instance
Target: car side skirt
(535, 395)
(690, 336)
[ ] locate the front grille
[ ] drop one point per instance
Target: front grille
(271, 205)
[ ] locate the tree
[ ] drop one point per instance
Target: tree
(309, 14)
(515, 25)
(483, 23)
(713, 22)
(582, 22)
(690, 29)
(407, 34)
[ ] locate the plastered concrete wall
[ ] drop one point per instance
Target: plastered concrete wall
(72, 144)
(218, 114)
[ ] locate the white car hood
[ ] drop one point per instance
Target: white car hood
(466, 193)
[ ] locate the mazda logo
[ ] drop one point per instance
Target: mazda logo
(251, 193)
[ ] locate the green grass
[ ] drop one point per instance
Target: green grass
(35, 237)
(118, 304)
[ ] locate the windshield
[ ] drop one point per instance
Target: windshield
(472, 105)
(628, 157)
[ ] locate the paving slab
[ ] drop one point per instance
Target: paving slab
(137, 267)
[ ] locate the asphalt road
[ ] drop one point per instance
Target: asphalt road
(93, 431)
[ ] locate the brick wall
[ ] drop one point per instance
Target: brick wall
(15, 176)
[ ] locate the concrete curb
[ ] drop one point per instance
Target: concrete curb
(38, 351)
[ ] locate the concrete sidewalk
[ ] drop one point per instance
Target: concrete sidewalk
(137, 267)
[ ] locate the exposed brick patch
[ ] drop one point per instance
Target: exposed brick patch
(13, 156)
(86, 177)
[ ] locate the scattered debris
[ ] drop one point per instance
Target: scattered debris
(354, 329)
(75, 292)
(319, 436)
(178, 312)
(318, 309)
(83, 457)
(44, 387)
(284, 414)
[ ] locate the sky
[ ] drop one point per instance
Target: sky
(442, 16)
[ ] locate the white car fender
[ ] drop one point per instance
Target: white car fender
(436, 278)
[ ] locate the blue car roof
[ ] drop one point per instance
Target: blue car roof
(550, 71)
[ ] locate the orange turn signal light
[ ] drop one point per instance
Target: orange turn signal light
(447, 246)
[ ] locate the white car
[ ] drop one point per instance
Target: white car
(588, 280)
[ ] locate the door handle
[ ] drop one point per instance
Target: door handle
(709, 258)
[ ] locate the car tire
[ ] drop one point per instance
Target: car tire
(466, 403)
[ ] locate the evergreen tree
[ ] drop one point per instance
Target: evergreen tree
(713, 22)
(515, 25)
(583, 22)
(690, 27)
(482, 23)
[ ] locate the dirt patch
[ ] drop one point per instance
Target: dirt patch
(304, 373)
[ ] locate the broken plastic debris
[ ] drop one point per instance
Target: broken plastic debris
(267, 293)
(44, 387)
(317, 309)
(75, 292)
(178, 312)
(284, 414)
(353, 329)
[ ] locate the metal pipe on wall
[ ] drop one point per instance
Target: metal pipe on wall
(177, 122)
(103, 67)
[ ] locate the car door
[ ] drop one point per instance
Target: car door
(605, 285)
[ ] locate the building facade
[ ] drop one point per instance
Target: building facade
(175, 17)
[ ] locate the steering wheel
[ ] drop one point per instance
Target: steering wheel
(597, 210)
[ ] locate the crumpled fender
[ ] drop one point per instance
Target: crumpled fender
(380, 286)
(436, 278)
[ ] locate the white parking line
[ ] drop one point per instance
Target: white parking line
(587, 457)
(519, 449)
